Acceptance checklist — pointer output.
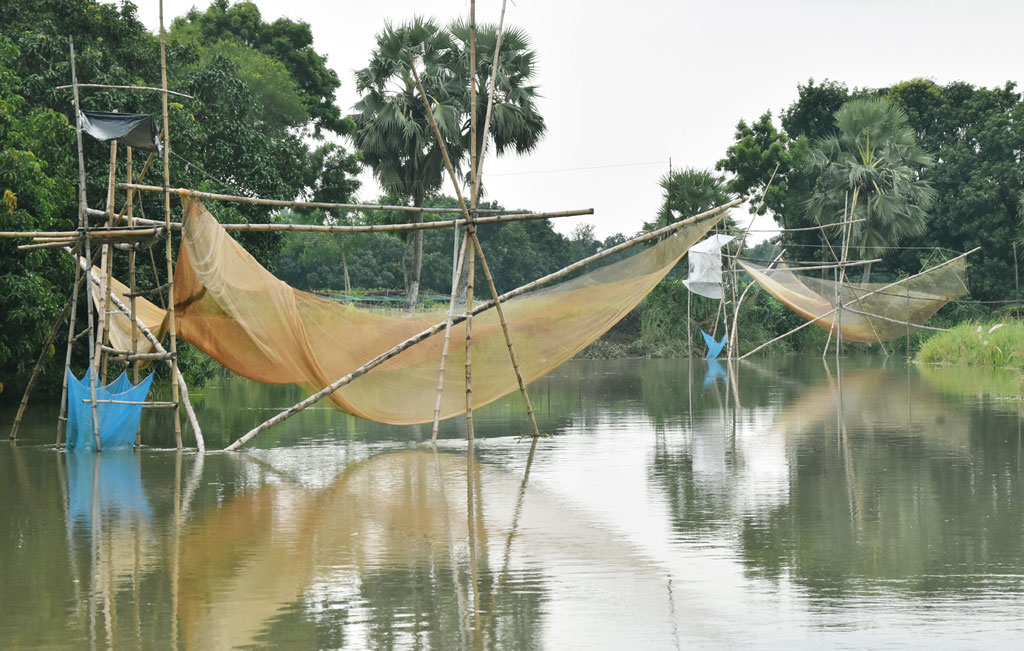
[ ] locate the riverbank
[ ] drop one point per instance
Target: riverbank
(993, 344)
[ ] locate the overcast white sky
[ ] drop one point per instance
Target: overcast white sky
(629, 85)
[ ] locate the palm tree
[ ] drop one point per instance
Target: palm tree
(516, 124)
(870, 169)
(688, 192)
(392, 128)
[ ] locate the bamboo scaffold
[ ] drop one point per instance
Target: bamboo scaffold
(109, 237)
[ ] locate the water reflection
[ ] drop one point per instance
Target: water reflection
(783, 505)
(406, 547)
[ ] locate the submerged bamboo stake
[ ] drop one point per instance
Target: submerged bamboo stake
(458, 261)
(456, 319)
(470, 433)
(83, 224)
(62, 418)
(68, 306)
(285, 203)
(689, 335)
(158, 347)
(169, 251)
(508, 339)
(93, 350)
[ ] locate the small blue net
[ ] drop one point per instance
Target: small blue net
(714, 347)
(118, 422)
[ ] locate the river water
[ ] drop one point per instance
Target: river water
(784, 506)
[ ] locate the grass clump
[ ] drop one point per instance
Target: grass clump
(995, 344)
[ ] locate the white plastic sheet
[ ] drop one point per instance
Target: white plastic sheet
(705, 274)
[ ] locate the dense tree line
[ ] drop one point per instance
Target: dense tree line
(926, 165)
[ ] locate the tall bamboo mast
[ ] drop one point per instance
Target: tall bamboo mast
(131, 269)
(476, 164)
(83, 223)
(130, 201)
(470, 227)
(62, 419)
(167, 224)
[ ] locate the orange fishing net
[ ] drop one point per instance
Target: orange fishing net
(232, 308)
(873, 312)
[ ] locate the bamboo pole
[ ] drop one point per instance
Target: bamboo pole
(490, 100)
(107, 264)
(302, 228)
(874, 291)
(93, 351)
(508, 339)
(159, 90)
(732, 268)
(130, 203)
(818, 267)
(458, 261)
(689, 335)
(62, 418)
(471, 233)
(897, 321)
(98, 233)
(83, 224)
(159, 348)
(169, 250)
(284, 203)
(68, 306)
(456, 319)
(736, 312)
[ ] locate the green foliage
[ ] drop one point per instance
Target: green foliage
(975, 135)
(239, 32)
(393, 130)
(870, 169)
(34, 170)
(688, 192)
(242, 134)
(979, 344)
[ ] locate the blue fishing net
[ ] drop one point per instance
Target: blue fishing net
(714, 347)
(118, 422)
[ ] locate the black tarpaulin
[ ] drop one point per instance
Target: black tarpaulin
(131, 129)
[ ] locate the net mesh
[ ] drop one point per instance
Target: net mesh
(118, 422)
(873, 312)
(232, 308)
(119, 326)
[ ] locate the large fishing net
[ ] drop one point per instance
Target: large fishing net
(232, 308)
(872, 312)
